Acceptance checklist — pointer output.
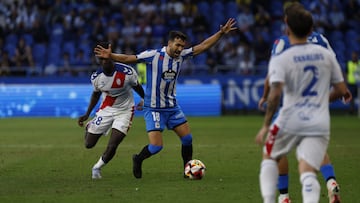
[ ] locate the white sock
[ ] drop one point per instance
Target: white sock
(268, 179)
(99, 164)
(329, 183)
(310, 187)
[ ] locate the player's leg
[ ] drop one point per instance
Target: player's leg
(283, 180)
(99, 126)
(155, 145)
(114, 141)
(269, 172)
(91, 139)
(328, 173)
(310, 153)
(177, 122)
(183, 131)
(155, 123)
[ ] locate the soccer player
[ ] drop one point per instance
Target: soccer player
(303, 74)
(326, 168)
(115, 81)
(161, 109)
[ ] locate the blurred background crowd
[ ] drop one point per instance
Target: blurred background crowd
(57, 37)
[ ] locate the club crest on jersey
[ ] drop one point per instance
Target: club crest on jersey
(118, 81)
(168, 75)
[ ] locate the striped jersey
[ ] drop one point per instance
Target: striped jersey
(162, 72)
(116, 89)
(283, 43)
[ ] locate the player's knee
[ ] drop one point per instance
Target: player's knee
(154, 149)
(89, 145)
(186, 140)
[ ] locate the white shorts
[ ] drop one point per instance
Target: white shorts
(311, 149)
(105, 120)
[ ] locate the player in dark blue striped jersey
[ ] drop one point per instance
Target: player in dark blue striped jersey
(161, 109)
(327, 169)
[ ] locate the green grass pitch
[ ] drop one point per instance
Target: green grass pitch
(44, 160)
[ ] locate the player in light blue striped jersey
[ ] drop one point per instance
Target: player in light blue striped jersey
(161, 109)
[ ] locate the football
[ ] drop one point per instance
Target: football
(195, 169)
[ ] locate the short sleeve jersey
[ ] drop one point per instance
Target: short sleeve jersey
(307, 71)
(283, 43)
(162, 72)
(116, 89)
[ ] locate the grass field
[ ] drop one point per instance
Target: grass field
(44, 160)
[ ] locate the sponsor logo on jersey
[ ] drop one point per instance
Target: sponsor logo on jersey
(168, 75)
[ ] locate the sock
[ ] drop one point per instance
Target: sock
(283, 184)
(327, 172)
(100, 163)
(310, 187)
(269, 173)
(186, 148)
(144, 154)
(186, 153)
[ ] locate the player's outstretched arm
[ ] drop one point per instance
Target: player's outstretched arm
(209, 42)
(107, 53)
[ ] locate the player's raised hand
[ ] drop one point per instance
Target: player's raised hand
(229, 26)
(102, 52)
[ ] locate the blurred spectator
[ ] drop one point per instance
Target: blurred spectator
(175, 5)
(262, 17)
(353, 76)
(39, 32)
(321, 23)
(24, 57)
(262, 49)
(6, 64)
(64, 66)
(245, 19)
(352, 14)
(336, 18)
(246, 63)
(81, 64)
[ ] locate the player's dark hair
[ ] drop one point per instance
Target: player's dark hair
(300, 22)
(177, 34)
(292, 7)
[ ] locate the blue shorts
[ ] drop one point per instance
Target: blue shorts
(157, 119)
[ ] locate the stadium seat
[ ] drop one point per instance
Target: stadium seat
(276, 9)
(70, 48)
(10, 48)
(231, 9)
(57, 33)
(55, 55)
(29, 40)
(39, 52)
(85, 47)
(205, 9)
(11, 38)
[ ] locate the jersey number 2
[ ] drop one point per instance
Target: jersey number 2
(309, 91)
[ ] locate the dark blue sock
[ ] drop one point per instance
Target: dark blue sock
(283, 183)
(327, 172)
